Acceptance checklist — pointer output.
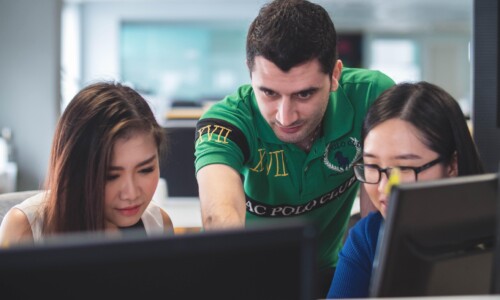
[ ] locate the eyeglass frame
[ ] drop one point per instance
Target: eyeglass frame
(387, 171)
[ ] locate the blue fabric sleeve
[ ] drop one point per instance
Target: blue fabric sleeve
(354, 267)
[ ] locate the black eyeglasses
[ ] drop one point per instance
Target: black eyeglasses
(373, 173)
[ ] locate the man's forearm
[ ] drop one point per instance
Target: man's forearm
(229, 218)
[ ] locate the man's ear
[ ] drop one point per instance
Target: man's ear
(453, 166)
(337, 71)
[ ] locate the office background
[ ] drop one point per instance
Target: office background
(51, 48)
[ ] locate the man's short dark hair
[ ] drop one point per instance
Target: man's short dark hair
(291, 32)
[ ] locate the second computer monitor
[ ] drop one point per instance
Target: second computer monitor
(438, 239)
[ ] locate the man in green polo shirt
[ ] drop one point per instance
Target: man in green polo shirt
(283, 147)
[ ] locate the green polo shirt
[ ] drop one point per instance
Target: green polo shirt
(281, 181)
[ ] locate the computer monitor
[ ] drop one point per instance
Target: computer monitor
(265, 262)
(438, 239)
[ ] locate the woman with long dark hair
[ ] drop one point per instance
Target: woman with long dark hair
(104, 170)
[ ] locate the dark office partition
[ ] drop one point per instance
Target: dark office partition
(486, 101)
(177, 163)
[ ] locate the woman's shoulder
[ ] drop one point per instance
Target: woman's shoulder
(34, 200)
(15, 228)
(373, 218)
(367, 227)
(156, 219)
(17, 223)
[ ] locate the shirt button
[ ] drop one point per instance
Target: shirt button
(306, 168)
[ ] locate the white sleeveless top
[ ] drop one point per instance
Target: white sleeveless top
(33, 208)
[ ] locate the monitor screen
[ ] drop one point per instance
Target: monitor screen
(277, 262)
(437, 239)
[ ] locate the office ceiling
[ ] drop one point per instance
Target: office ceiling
(362, 15)
(401, 15)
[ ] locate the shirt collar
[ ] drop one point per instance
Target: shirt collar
(339, 116)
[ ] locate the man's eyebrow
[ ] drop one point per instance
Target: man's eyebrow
(265, 89)
(142, 163)
(308, 90)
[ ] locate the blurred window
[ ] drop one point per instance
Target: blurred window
(398, 58)
(179, 62)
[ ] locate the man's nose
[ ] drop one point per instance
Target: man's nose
(286, 114)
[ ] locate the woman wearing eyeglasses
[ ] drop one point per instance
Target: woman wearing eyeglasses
(420, 129)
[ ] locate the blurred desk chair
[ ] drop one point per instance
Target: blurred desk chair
(177, 165)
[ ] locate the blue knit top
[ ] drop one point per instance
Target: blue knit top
(354, 267)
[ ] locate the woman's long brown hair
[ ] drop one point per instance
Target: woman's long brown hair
(81, 153)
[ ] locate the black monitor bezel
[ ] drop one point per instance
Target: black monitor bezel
(67, 253)
(398, 210)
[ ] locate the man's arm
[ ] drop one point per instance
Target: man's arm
(365, 204)
(222, 197)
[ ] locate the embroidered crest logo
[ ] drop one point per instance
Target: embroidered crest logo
(340, 156)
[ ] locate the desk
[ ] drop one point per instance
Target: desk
(184, 211)
(184, 113)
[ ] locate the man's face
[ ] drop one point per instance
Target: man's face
(293, 103)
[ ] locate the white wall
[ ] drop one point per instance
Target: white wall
(446, 62)
(443, 52)
(443, 58)
(30, 57)
(101, 21)
(29, 82)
